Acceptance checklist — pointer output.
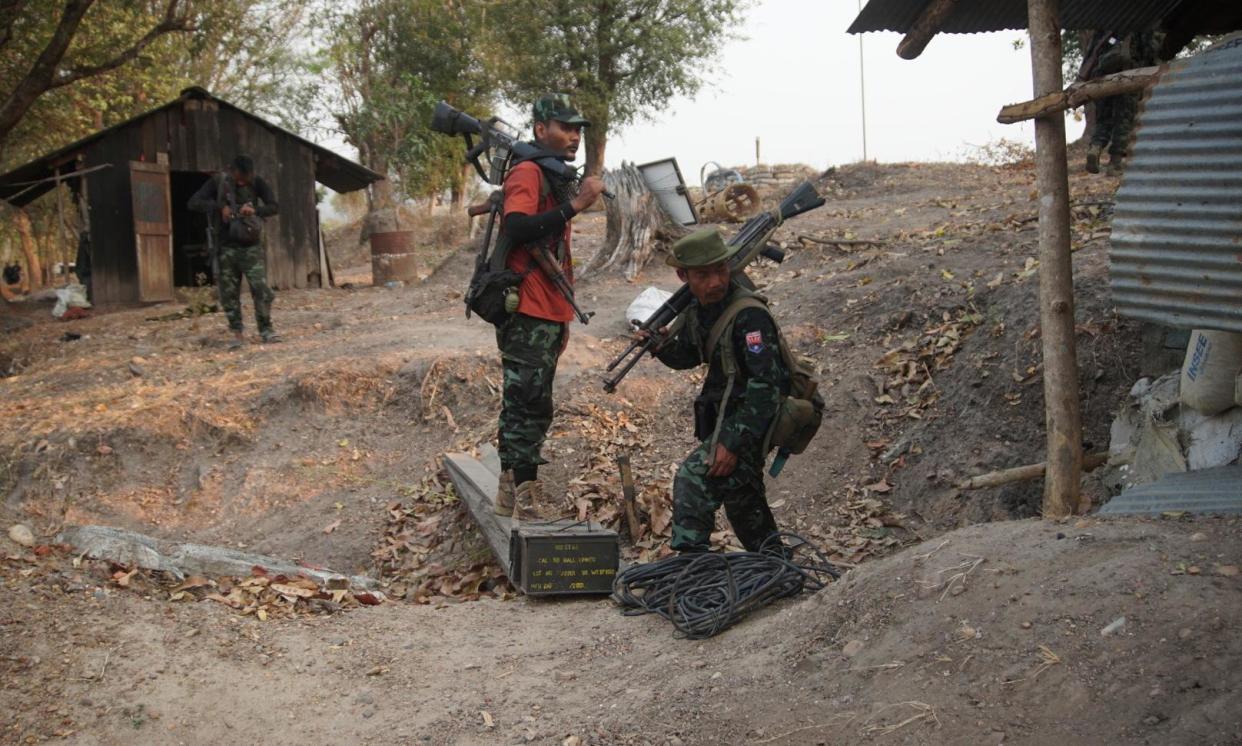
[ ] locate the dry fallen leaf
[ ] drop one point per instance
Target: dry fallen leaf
(332, 526)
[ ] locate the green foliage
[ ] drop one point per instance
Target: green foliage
(393, 60)
(621, 60)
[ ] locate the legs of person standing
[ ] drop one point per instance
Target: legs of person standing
(230, 261)
(1102, 133)
(529, 351)
(696, 497)
(255, 269)
(1125, 109)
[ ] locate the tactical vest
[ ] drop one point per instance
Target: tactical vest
(801, 411)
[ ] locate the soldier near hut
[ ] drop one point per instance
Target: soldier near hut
(538, 207)
(236, 203)
(729, 328)
(1114, 116)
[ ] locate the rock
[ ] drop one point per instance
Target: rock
(1229, 571)
(1184, 633)
(1114, 626)
(852, 648)
(572, 741)
(135, 370)
(717, 675)
(1026, 625)
(369, 713)
(1193, 570)
(364, 698)
(22, 535)
(674, 741)
(1198, 536)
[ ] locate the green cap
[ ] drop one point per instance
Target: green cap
(702, 248)
(556, 106)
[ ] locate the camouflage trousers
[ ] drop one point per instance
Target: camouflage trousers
(1114, 121)
(529, 351)
(696, 497)
(236, 262)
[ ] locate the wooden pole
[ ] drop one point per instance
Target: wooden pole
(1077, 94)
(1056, 284)
(925, 27)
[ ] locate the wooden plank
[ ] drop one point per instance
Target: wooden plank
(926, 26)
(476, 484)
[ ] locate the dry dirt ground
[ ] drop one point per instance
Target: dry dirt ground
(951, 628)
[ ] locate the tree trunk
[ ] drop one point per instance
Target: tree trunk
(637, 225)
(596, 143)
(1062, 486)
(30, 249)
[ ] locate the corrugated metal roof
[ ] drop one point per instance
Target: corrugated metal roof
(334, 171)
(975, 16)
(1176, 256)
(1216, 490)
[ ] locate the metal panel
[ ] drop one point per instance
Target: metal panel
(152, 230)
(665, 181)
(1216, 490)
(1176, 256)
(975, 16)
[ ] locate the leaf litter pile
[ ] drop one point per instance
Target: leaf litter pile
(261, 595)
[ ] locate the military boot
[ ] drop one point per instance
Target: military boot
(527, 500)
(502, 504)
(1093, 158)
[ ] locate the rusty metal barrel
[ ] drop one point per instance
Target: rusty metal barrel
(393, 257)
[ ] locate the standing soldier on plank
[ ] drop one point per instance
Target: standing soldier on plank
(236, 203)
(538, 207)
(729, 328)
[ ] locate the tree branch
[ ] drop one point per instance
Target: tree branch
(173, 21)
(8, 16)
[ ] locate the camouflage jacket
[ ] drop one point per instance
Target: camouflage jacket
(762, 378)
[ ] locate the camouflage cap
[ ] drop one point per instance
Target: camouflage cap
(556, 106)
(702, 248)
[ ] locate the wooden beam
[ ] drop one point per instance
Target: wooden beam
(1126, 81)
(476, 484)
(1024, 473)
(926, 26)
(1062, 485)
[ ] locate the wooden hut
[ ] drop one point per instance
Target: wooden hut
(131, 183)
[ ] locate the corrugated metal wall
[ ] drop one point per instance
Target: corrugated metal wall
(1176, 256)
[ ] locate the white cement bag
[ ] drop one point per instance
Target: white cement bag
(647, 303)
(1212, 362)
(70, 296)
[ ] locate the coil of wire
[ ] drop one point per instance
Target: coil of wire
(704, 594)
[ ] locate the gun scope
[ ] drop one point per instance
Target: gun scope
(449, 121)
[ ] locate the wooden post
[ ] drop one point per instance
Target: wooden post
(1056, 285)
(925, 27)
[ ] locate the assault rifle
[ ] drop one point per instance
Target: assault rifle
(499, 144)
(752, 239)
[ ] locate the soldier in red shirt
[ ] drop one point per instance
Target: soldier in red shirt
(538, 208)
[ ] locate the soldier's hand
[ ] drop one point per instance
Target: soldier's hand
(246, 210)
(589, 190)
(226, 213)
(724, 463)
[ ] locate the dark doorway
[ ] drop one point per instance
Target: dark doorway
(191, 262)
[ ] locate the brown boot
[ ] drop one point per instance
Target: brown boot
(527, 501)
(1093, 158)
(502, 504)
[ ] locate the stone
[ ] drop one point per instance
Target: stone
(852, 648)
(1198, 536)
(22, 535)
(1228, 571)
(368, 713)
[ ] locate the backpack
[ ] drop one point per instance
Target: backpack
(493, 281)
(801, 411)
(244, 231)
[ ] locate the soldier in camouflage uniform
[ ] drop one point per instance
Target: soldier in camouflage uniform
(249, 195)
(1115, 115)
(538, 207)
(731, 422)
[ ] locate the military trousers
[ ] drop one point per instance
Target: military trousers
(1114, 123)
(529, 351)
(236, 262)
(696, 497)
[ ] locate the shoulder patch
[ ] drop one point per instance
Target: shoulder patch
(754, 342)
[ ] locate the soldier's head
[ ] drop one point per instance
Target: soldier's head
(558, 125)
(702, 262)
(242, 169)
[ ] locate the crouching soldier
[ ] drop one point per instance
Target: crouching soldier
(730, 329)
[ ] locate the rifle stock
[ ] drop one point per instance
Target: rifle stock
(752, 238)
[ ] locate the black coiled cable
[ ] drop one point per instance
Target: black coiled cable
(706, 593)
